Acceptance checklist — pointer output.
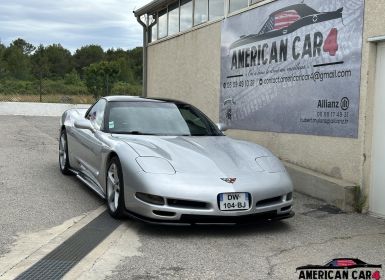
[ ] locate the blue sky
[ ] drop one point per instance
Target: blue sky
(72, 23)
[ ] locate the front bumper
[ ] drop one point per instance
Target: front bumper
(197, 198)
(187, 219)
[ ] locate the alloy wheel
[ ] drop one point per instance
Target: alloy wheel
(113, 187)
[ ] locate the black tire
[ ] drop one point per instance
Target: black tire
(64, 163)
(119, 211)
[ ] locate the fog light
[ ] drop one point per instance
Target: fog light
(289, 196)
(149, 198)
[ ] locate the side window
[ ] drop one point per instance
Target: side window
(194, 122)
(96, 114)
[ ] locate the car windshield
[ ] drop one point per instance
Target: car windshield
(158, 118)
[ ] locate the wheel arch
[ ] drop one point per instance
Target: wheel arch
(103, 168)
(109, 157)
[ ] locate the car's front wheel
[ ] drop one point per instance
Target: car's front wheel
(115, 189)
(64, 163)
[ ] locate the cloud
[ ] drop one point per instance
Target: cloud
(72, 23)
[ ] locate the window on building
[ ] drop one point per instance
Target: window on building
(216, 9)
(235, 5)
(201, 11)
(186, 8)
(173, 18)
(255, 1)
(162, 23)
(154, 33)
(183, 14)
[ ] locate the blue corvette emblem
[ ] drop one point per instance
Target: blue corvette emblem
(229, 180)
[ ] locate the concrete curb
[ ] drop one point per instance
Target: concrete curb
(333, 191)
(36, 109)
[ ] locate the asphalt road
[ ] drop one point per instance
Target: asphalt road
(317, 234)
(35, 196)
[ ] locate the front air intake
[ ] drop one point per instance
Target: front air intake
(269, 201)
(187, 204)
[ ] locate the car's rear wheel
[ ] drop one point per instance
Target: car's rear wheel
(115, 189)
(64, 163)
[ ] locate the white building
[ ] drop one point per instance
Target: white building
(185, 45)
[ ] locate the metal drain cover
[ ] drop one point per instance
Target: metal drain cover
(62, 259)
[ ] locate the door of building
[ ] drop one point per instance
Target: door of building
(377, 190)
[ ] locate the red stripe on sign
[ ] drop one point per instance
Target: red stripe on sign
(285, 19)
(345, 263)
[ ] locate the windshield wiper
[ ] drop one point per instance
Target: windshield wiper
(134, 132)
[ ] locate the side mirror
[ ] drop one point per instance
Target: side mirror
(222, 126)
(84, 124)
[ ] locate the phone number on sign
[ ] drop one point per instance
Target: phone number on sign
(332, 114)
(241, 84)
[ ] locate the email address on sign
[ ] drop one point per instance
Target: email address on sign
(325, 121)
(315, 76)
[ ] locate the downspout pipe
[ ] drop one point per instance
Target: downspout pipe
(145, 44)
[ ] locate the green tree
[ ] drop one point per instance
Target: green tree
(59, 60)
(3, 67)
(135, 58)
(40, 63)
(126, 73)
(100, 77)
(130, 63)
(72, 78)
(24, 46)
(40, 66)
(87, 55)
(17, 62)
(113, 55)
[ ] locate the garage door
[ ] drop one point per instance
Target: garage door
(377, 192)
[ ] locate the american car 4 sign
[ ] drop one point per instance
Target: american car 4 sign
(293, 67)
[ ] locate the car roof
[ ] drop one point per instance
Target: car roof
(126, 98)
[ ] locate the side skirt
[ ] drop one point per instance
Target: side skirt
(89, 183)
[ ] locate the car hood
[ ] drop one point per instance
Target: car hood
(219, 154)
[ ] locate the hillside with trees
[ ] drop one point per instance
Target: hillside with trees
(53, 74)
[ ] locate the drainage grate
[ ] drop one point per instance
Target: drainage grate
(62, 259)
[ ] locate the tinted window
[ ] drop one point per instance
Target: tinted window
(173, 18)
(162, 23)
(235, 5)
(186, 8)
(158, 118)
(216, 9)
(96, 114)
(200, 13)
(154, 33)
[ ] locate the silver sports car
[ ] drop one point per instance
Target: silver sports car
(164, 161)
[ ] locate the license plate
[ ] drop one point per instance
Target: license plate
(234, 201)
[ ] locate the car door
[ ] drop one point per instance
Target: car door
(90, 142)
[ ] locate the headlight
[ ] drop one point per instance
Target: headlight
(270, 164)
(155, 165)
